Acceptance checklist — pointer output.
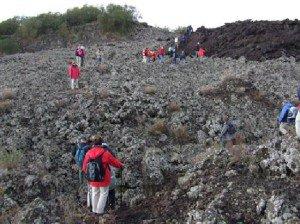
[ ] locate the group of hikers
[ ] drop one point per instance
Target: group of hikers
(97, 165)
(290, 117)
(97, 162)
(74, 67)
(175, 51)
(149, 55)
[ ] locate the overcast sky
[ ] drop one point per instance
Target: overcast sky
(170, 13)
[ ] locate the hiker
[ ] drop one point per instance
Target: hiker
(183, 39)
(189, 30)
(286, 117)
(170, 51)
(182, 56)
(175, 55)
(297, 123)
(298, 92)
(201, 53)
(152, 55)
(96, 167)
(74, 74)
(197, 48)
(98, 56)
(80, 54)
(82, 146)
(161, 54)
(228, 132)
(111, 201)
(176, 41)
(145, 54)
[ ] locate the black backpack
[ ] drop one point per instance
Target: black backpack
(95, 169)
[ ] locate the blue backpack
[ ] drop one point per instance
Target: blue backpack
(283, 116)
(80, 153)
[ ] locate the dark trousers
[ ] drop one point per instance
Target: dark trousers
(111, 201)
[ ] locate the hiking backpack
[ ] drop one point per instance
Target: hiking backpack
(95, 169)
(283, 116)
(292, 113)
(80, 153)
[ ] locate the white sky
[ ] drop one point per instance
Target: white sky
(170, 13)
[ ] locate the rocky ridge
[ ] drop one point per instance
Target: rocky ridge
(255, 40)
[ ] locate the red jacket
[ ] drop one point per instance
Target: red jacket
(201, 53)
(74, 71)
(161, 51)
(146, 52)
(107, 159)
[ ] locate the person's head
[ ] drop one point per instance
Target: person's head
(286, 96)
(82, 47)
(96, 140)
(225, 118)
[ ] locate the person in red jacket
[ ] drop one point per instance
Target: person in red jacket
(74, 74)
(145, 54)
(98, 191)
(161, 54)
(153, 55)
(201, 53)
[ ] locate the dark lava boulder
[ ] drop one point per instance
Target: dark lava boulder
(255, 40)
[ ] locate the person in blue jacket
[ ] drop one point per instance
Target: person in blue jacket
(286, 117)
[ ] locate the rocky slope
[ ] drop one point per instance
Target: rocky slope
(258, 40)
(163, 120)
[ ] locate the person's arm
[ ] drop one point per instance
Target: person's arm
(113, 161)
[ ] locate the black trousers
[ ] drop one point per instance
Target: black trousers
(111, 201)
